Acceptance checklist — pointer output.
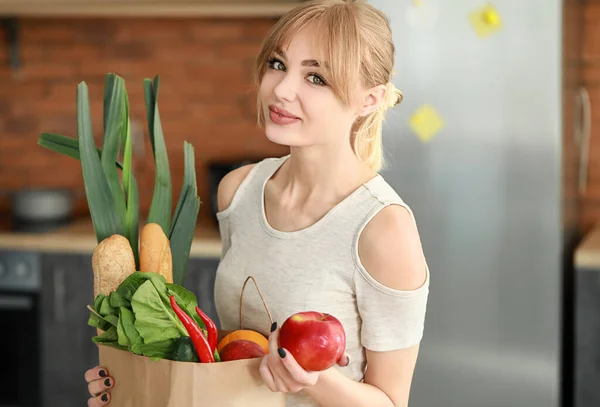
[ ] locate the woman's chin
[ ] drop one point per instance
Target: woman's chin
(283, 138)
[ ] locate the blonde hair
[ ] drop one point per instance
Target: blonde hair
(356, 41)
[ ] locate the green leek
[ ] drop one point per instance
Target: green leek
(103, 211)
(160, 208)
(114, 125)
(182, 230)
(131, 221)
(114, 202)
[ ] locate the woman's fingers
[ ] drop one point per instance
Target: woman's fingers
(295, 376)
(95, 387)
(273, 339)
(344, 360)
(99, 401)
(271, 368)
(279, 384)
(96, 373)
(98, 382)
(266, 374)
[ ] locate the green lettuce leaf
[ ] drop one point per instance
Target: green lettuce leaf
(130, 285)
(126, 331)
(107, 336)
(157, 350)
(154, 320)
(187, 301)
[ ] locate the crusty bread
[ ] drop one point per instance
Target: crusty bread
(112, 262)
(155, 251)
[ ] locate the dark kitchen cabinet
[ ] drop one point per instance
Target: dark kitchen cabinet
(67, 348)
(587, 337)
(200, 279)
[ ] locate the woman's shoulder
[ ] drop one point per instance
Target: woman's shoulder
(229, 185)
(389, 245)
(390, 249)
(231, 182)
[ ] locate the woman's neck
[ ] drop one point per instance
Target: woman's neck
(314, 172)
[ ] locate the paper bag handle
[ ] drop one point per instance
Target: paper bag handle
(262, 297)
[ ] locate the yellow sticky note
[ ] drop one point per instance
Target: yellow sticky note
(485, 20)
(426, 122)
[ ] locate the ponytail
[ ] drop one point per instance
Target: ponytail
(367, 133)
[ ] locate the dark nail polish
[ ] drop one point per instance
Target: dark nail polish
(104, 397)
(107, 382)
(102, 373)
(273, 326)
(281, 352)
(347, 360)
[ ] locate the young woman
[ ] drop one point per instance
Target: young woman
(320, 229)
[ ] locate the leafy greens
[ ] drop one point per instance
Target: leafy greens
(138, 317)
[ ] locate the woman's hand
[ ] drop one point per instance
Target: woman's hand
(98, 382)
(282, 373)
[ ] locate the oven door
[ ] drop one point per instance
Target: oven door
(20, 349)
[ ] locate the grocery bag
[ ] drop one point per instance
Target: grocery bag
(143, 382)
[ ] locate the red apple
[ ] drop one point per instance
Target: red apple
(241, 349)
(316, 340)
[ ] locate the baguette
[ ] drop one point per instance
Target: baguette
(112, 263)
(155, 251)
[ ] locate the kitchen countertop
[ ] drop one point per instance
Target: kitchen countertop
(587, 254)
(79, 237)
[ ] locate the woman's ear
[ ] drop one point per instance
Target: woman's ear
(372, 99)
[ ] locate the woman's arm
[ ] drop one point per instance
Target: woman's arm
(387, 382)
(390, 250)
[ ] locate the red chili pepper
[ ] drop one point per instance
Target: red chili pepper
(200, 343)
(210, 327)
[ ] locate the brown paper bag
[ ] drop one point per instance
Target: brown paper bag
(141, 382)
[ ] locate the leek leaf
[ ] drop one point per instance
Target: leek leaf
(114, 123)
(99, 197)
(130, 186)
(185, 218)
(161, 205)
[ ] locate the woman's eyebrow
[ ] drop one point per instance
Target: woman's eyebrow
(307, 62)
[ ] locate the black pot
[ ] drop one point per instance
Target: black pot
(41, 209)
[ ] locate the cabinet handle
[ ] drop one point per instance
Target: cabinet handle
(582, 137)
(21, 303)
(59, 295)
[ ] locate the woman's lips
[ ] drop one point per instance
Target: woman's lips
(281, 116)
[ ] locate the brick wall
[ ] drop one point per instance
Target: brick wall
(590, 76)
(205, 95)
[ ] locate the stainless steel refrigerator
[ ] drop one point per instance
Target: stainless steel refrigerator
(494, 192)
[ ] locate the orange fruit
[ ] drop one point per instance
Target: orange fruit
(246, 334)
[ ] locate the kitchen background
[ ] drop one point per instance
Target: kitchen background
(205, 66)
(206, 97)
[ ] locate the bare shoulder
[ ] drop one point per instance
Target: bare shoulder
(229, 185)
(390, 249)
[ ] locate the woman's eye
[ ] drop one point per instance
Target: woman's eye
(277, 64)
(317, 80)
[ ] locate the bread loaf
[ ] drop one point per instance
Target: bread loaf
(155, 251)
(112, 262)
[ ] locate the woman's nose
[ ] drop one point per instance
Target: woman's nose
(287, 89)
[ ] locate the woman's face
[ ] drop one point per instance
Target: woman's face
(300, 108)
